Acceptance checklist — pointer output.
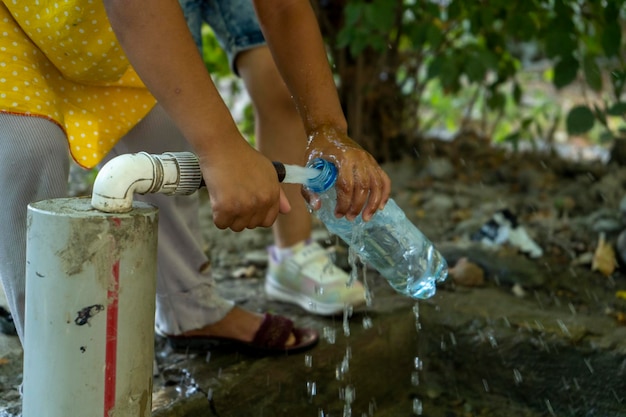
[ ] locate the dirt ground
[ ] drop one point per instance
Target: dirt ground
(497, 301)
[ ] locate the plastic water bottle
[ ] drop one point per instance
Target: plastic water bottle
(388, 242)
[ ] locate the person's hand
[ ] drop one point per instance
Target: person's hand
(243, 188)
(362, 186)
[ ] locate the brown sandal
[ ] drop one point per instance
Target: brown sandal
(270, 339)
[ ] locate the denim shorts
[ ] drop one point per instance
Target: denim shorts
(234, 23)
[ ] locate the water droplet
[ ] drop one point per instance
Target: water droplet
(418, 408)
(517, 376)
(308, 361)
(330, 335)
(352, 278)
(347, 313)
(207, 359)
(368, 297)
(415, 378)
(486, 385)
(563, 328)
(416, 313)
(348, 353)
(452, 339)
(349, 394)
(345, 365)
(311, 389)
(418, 364)
(372, 407)
(367, 323)
(549, 406)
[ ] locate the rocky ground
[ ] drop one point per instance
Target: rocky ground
(513, 332)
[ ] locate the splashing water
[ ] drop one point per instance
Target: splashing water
(295, 174)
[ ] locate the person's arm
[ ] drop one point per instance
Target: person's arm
(242, 184)
(292, 33)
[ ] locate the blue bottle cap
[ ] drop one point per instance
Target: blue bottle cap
(327, 177)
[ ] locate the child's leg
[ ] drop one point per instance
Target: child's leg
(34, 166)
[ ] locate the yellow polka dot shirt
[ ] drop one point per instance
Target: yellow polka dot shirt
(61, 60)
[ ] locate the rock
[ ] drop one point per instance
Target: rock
(608, 191)
(621, 247)
(604, 220)
(500, 265)
(256, 257)
(439, 203)
(467, 274)
(439, 169)
(622, 207)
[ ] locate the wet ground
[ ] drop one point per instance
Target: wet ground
(507, 335)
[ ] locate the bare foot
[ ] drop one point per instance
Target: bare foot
(238, 324)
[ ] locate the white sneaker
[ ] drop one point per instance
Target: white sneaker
(311, 280)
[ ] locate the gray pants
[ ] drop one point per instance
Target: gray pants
(34, 166)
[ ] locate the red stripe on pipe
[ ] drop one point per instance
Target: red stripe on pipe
(111, 342)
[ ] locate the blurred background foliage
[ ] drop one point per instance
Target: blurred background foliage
(505, 70)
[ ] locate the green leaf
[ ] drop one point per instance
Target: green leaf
(517, 93)
(599, 113)
(526, 122)
(475, 67)
(617, 109)
(611, 39)
(455, 9)
(579, 120)
(513, 137)
(434, 68)
(618, 79)
(357, 45)
(593, 76)
(521, 26)
(379, 15)
(496, 100)
(449, 74)
(418, 32)
(352, 13)
(559, 43)
(565, 72)
(435, 37)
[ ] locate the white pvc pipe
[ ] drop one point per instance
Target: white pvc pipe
(90, 301)
(124, 175)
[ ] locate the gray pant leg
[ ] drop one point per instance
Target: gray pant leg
(34, 166)
(187, 298)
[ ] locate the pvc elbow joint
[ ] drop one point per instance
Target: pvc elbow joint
(123, 176)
